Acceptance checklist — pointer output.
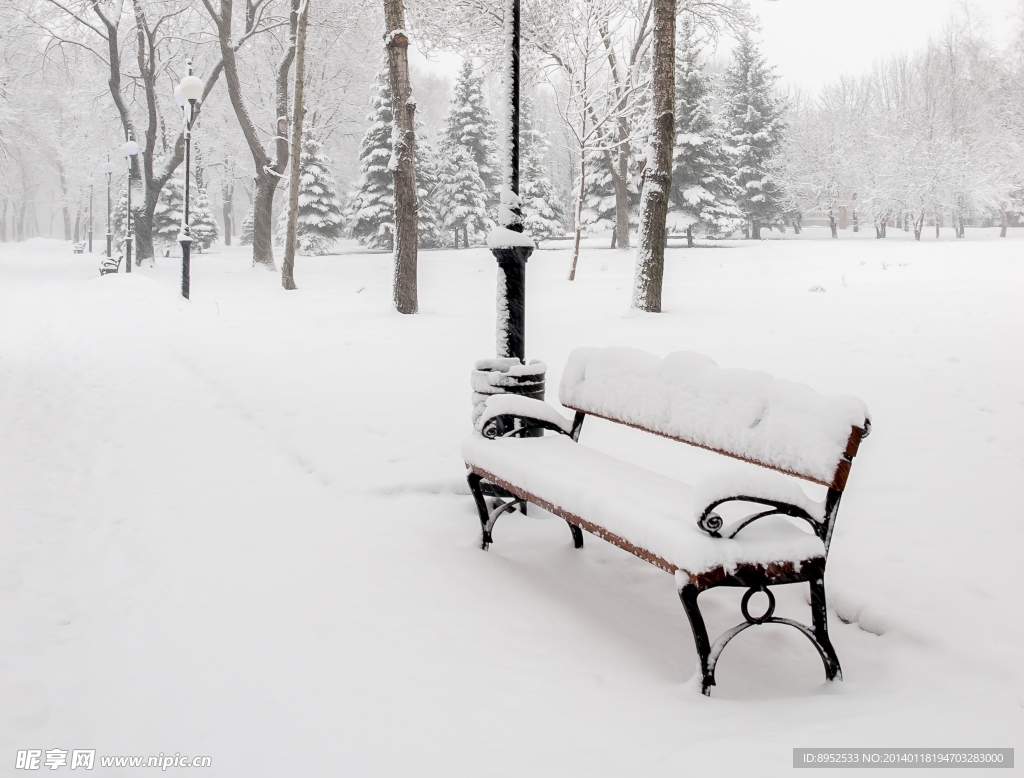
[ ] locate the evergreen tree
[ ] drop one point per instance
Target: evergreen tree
(543, 213)
(469, 124)
(470, 176)
(432, 232)
(320, 220)
(373, 202)
(464, 197)
(245, 236)
(599, 185)
(168, 212)
(201, 222)
(117, 217)
(702, 191)
(754, 117)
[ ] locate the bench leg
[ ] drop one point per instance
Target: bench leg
(577, 535)
(688, 596)
(481, 508)
(488, 516)
(819, 619)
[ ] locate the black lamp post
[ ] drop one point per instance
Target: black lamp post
(185, 95)
(91, 182)
(108, 168)
(510, 244)
(131, 148)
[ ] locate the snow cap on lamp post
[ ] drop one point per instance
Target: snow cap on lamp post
(91, 182)
(130, 148)
(107, 167)
(179, 98)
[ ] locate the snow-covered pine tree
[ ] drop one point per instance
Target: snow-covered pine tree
(464, 197)
(245, 236)
(598, 188)
(543, 213)
(203, 225)
(320, 211)
(469, 128)
(167, 214)
(754, 128)
(373, 202)
(703, 194)
(432, 232)
(599, 185)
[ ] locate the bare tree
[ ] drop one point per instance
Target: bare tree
(396, 42)
(298, 111)
(268, 171)
(105, 21)
(657, 182)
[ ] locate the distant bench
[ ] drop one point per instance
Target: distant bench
(750, 416)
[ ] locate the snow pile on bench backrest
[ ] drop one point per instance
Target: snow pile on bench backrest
(746, 414)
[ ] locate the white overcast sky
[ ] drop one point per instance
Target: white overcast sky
(813, 41)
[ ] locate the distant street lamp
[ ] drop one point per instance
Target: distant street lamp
(108, 168)
(130, 148)
(185, 95)
(91, 182)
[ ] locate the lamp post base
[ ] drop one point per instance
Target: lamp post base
(511, 341)
(110, 244)
(128, 254)
(186, 267)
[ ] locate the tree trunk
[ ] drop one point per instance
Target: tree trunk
(298, 111)
(621, 181)
(456, 238)
(228, 226)
(614, 236)
(228, 197)
(832, 224)
(1003, 223)
(465, 238)
(689, 236)
(650, 262)
(78, 224)
(64, 207)
(755, 229)
(268, 172)
(3, 219)
(142, 222)
(404, 293)
(579, 214)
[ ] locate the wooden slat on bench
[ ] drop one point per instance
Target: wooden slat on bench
(838, 481)
(750, 574)
(579, 521)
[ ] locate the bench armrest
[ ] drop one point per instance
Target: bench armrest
(777, 495)
(511, 415)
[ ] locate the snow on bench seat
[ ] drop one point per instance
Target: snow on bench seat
(746, 414)
(649, 511)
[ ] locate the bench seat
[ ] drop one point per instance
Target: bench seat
(651, 512)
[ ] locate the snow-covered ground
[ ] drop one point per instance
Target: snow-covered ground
(238, 526)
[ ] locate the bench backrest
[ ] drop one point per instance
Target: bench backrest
(743, 414)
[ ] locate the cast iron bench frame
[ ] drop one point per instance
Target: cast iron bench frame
(754, 577)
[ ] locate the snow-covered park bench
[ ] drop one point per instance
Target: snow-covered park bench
(110, 265)
(731, 529)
